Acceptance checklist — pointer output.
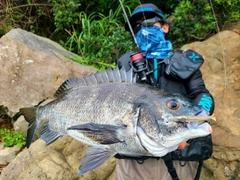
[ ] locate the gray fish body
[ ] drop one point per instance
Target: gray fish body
(115, 104)
(100, 104)
(115, 118)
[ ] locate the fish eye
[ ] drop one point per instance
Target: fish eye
(173, 104)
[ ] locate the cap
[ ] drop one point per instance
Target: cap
(149, 10)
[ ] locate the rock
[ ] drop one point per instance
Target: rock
(221, 75)
(21, 125)
(32, 68)
(7, 154)
(59, 160)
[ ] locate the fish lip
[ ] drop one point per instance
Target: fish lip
(204, 126)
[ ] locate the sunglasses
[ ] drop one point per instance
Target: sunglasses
(146, 22)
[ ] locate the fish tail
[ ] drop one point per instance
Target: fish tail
(30, 116)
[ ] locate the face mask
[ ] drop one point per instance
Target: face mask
(152, 42)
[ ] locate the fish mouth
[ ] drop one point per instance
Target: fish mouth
(198, 123)
(200, 128)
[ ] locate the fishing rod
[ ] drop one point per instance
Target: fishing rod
(138, 62)
(129, 24)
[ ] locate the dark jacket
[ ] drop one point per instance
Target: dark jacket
(192, 88)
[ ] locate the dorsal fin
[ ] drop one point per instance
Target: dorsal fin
(105, 76)
(68, 84)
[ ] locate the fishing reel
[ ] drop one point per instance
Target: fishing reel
(139, 65)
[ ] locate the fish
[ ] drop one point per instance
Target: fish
(114, 115)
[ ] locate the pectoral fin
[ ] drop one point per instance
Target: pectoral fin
(94, 157)
(101, 133)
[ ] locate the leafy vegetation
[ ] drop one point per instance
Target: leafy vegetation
(192, 21)
(94, 29)
(101, 51)
(62, 18)
(229, 9)
(102, 40)
(28, 15)
(12, 138)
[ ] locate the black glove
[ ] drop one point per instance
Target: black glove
(198, 149)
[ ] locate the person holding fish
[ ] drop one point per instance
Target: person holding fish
(151, 113)
(175, 73)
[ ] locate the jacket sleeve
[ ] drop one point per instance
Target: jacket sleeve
(198, 93)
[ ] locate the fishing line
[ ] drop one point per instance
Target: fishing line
(223, 57)
(129, 25)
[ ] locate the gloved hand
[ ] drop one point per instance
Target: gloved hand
(198, 149)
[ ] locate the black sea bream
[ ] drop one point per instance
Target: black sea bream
(114, 115)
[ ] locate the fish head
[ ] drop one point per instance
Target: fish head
(157, 130)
